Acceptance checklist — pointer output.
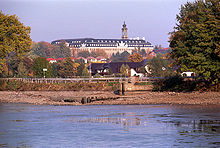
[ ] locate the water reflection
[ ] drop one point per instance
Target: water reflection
(127, 123)
(109, 126)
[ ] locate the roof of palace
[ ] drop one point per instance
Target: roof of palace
(91, 42)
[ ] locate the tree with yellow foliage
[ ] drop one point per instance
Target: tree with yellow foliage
(14, 37)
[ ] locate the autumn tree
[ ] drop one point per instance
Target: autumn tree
(195, 40)
(136, 57)
(45, 49)
(42, 49)
(67, 68)
(17, 65)
(14, 37)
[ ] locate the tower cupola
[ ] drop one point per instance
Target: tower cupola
(124, 31)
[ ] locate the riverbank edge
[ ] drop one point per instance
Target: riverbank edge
(109, 98)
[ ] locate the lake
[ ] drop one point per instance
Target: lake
(25, 125)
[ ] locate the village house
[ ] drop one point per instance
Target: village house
(114, 67)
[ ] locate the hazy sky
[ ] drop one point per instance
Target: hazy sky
(66, 19)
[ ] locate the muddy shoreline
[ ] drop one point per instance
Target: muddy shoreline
(135, 97)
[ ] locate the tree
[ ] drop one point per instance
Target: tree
(84, 54)
(159, 67)
(123, 57)
(136, 57)
(80, 68)
(22, 71)
(14, 69)
(45, 49)
(42, 49)
(143, 52)
(14, 37)
(54, 69)
(195, 41)
(85, 72)
(98, 53)
(124, 70)
(67, 68)
(60, 51)
(40, 64)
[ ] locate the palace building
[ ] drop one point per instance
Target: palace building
(110, 46)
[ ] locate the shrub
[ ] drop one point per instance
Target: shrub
(174, 83)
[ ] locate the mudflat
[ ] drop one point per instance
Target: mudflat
(134, 97)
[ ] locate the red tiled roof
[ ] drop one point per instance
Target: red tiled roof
(58, 59)
(50, 59)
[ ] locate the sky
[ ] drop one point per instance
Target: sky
(68, 19)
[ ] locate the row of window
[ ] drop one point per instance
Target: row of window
(110, 45)
(109, 41)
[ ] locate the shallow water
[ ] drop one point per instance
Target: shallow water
(23, 125)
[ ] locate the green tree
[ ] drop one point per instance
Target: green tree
(195, 41)
(80, 68)
(85, 72)
(54, 69)
(159, 67)
(40, 64)
(60, 51)
(14, 37)
(124, 70)
(120, 57)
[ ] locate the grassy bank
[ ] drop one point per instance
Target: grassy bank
(16, 85)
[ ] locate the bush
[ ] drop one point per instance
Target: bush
(174, 83)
